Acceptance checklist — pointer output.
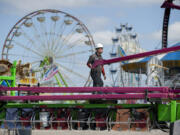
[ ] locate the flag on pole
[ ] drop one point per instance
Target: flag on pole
(50, 73)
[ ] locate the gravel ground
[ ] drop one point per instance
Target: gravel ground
(155, 132)
(90, 132)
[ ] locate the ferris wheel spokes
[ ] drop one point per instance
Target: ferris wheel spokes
(37, 36)
(28, 49)
(53, 27)
(65, 23)
(72, 44)
(67, 37)
(29, 38)
(71, 71)
(72, 54)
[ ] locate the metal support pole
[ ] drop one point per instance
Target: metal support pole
(13, 74)
(173, 111)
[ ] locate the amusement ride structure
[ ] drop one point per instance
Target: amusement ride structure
(124, 43)
(51, 55)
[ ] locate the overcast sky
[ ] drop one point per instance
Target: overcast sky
(101, 17)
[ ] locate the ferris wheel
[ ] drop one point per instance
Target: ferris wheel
(51, 39)
(124, 43)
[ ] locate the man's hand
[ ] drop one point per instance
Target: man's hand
(104, 77)
(89, 65)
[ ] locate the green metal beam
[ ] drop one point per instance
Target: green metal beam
(6, 77)
(60, 75)
(34, 105)
(13, 74)
(59, 83)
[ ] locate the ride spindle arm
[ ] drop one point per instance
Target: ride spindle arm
(168, 4)
(136, 56)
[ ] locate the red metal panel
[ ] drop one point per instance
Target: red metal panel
(87, 89)
(87, 97)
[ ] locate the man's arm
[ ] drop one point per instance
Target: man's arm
(89, 65)
(90, 61)
(103, 72)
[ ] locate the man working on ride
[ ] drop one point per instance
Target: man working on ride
(96, 72)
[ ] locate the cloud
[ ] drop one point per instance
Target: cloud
(24, 4)
(97, 23)
(20, 6)
(143, 2)
(174, 33)
(126, 3)
(177, 2)
(103, 37)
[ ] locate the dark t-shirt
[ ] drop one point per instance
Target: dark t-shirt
(91, 61)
